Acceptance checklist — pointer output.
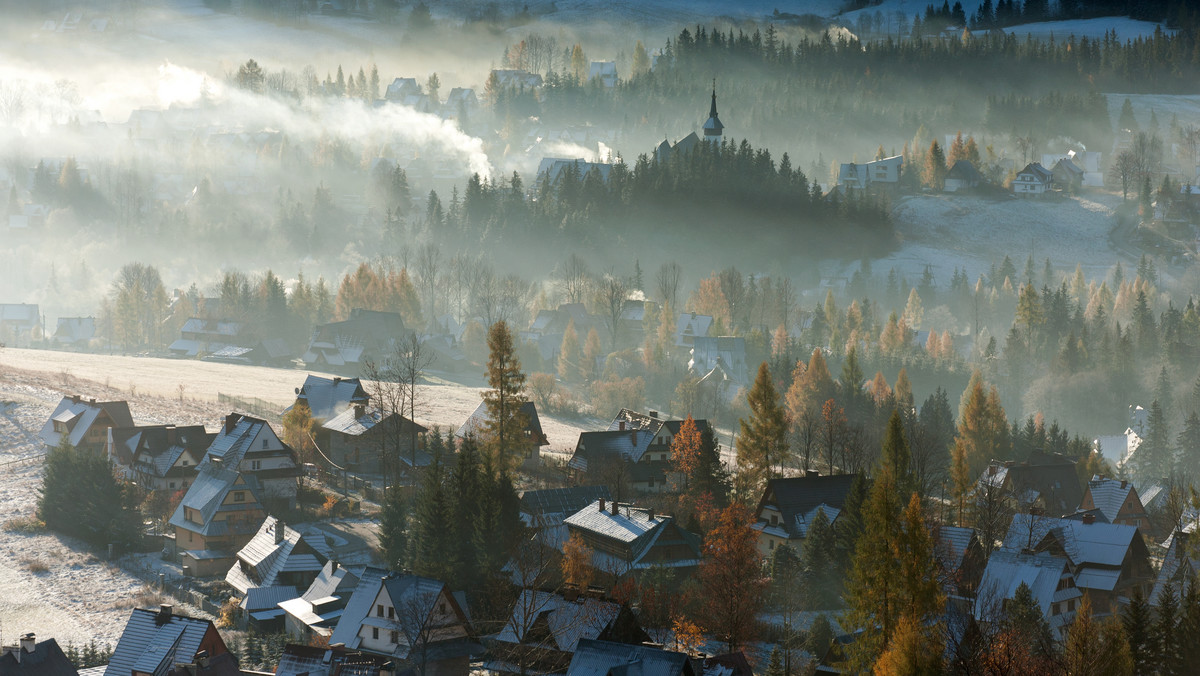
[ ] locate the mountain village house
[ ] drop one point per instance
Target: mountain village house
(84, 422)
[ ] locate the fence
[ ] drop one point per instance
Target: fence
(255, 406)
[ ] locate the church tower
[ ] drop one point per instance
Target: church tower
(713, 127)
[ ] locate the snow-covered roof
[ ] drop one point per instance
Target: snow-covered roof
(1108, 495)
(270, 554)
(154, 640)
(79, 414)
(627, 525)
(1007, 570)
(327, 397)
(567, 621)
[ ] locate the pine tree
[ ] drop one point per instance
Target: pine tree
(934, 174)
(1138, 620)
(1187, 446)
(393, 530)
(762, 443)
(505, 431)
(1166, 632)
(641, 60)
(434, 552)
(1153, 458)
(820, 579)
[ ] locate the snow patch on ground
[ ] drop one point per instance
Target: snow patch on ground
(949, 231)
(1126, 28)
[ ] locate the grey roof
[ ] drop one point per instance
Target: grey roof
(562, 500)
(75, 329)
(605, 658)
(1006, 570)
(327, 397)
(1178, 564)
(267, 598)
(153, 642)
(161, 445)
(206, 494)
(691, 324)
(627, 525)
(359, 606)
(232, 443)
(80, 414)
(567, 621)
(405, 591)
(336, 579)
(1039, 172)
(263, 559)
(630, 444)
(1109, 494)
(797, 498)
(951, 546)
(46, 659)
(554, 167)
(963, 170)
(479, 418)
(1050, 479)
(1097, 544)
(349, 422)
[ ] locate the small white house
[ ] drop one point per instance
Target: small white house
(1034, 179)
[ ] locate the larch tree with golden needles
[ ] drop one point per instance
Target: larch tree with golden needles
(505, 429)
(983, 434)
(685, 451)
(732, 588)
(577, 562)
(762, 442)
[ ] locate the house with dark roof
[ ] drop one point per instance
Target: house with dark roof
(549, 506)
(1067, 175)
(544, 629)
(316, 612)
(367, 335)
(411, 619)
(275, 556)
(725, 352)
(359, 437)
(961, 558)
(606, 658)
(30, 657)
(1108, 561)
(155, 640)
(1034, 179)
(158, 457)
(789, 504)
(1045, 482)
(626, 541)
(250, 445)
(220, 512)
(962, 177)
(1050, 580)
(328, 397)
(199, 335)
(640, 442)
(84, 422)
(1117, 500)
(690, 325)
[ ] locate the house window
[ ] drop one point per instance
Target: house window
(171, 485)
(239, 496)
(264, 443)
(442, 608)
(375, 633)
(395, 637)
(185, 463)
(770, 544)
(256, 464)
(391, 613)
(1071, 605)
(379, 610)
(650, 482)
(1055, 609)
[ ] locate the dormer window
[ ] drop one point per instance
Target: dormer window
(264, 443)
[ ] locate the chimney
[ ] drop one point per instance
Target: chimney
(1124, 483)
(601, 504)
(654, 414)
(622, 425)
(164, 612)
(359, 410)
(231, 421)
(615, 508)
(279, 528)
(337, 380)
(634, 436)
(1089, 518)
(650, 514)
(333, 565)
(991, 470)
(28, 643)
(202, 659)
(810, 473)
(74, 398)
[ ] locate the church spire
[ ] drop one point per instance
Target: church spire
(713, 127)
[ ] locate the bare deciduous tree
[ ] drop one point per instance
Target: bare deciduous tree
(669, 276)
(611, 294)
(574, 279)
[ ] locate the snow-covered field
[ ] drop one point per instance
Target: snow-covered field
(1126, 28)
(948, 231)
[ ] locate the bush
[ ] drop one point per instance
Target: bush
(35, 566)
(26, 525)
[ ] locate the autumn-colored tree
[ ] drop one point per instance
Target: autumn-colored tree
(762, 443)
(591, 353)
(731, 585)
(1095, 648)
(934, 173)
(504, 434)
(894, 571)
(709, 299)
(688, 636)
(577, 562)
(641, 60)
(913, 651)
(983, 434)
(579, 63)
(879, 390)
(382, 289)
(297, 431)
(892, 340)
(685, 450)
(811, 387)
(570, 357)
(833, 427)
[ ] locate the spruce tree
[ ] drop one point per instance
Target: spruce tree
(820, 579)
(393, 529)
(433, 553)
(1166, 632)
(1137, 618)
